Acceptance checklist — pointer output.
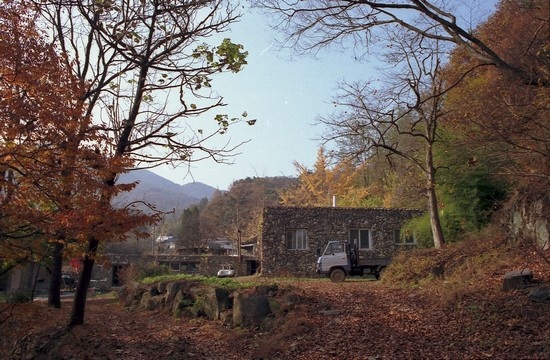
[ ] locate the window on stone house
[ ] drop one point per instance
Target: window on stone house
(361, 237)
(296, 239)
(403, 237)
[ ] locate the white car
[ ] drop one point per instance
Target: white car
(226, 271)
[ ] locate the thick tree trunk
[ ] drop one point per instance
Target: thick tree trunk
(79, 303)
(54, 290)
(435, 222)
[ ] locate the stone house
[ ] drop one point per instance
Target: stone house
(293, 237)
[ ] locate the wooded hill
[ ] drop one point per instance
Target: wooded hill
(451, 128)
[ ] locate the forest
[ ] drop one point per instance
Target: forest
(458, 124)
(449, 130)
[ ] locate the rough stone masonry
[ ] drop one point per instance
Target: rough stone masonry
(322, 224)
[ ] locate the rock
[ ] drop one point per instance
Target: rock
(145, 300)
(540, 295)
(214, 301)
(517, 279)
(176, 304)
(161, 287)
(171, 290)
(129, 293)
(267, 290)
(150, 302)
(249, 309)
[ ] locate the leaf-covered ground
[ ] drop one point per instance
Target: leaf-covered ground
(350, 320)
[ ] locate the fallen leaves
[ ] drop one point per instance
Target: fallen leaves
(354, 319)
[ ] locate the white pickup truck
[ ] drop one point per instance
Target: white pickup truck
(340, 259)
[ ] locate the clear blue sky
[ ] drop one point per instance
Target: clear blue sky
(285, 95)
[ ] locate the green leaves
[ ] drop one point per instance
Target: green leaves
(227, 56)
(231, 55)
(224, 121)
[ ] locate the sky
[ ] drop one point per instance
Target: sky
(285, 93)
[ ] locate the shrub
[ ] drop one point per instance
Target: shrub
(422, 230)
(139, 271)
(18, 297)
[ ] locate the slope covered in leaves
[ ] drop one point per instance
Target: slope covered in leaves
(439, 318)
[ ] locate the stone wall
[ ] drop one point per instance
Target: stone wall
(322, 225)
(529, 219)
(207, 265)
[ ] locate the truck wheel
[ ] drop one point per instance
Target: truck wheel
(337, 275)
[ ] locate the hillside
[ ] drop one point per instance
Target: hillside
(316, 319)
(164, 194)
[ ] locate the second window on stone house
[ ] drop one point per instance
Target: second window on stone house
(403, 237)
(361, 237)
(296, 239)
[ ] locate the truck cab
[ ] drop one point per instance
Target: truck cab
(341, 259)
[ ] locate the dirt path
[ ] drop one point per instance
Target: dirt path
(352, 320)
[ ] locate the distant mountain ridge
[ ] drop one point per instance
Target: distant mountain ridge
(161, 192)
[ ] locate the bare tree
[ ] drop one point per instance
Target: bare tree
(149, 70)
(410, 105)
(399, 118)
(310, 25)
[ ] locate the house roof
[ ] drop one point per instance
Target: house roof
(341, 208)
(166, 238)
(219, 244)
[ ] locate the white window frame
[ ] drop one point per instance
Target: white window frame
(296, 239)
(360, 240)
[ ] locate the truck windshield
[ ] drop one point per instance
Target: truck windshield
(335, 247)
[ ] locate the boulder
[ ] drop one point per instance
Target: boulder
(517, 279)
(540, 295)
(267, 290)
(161, 287)
(215, 301)
(151, 302)
(172, 289)
(183, 302)
(249, 309)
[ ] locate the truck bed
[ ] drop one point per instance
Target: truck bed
(373, 261)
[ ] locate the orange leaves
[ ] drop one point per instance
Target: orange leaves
(53, 162)
(497, 113)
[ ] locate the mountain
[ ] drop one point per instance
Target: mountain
(163, 193)
(199, 190)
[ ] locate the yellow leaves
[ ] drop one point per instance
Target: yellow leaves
(317, 187)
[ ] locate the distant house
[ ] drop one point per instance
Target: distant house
(221, 247)
(166, 243)
(293, 237)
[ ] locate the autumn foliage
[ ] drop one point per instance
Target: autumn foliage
(496, 113)
(53, 160)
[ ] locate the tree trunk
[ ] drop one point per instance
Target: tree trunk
(54, 290)
(435, 222)
(79, 303)
(437, 231)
